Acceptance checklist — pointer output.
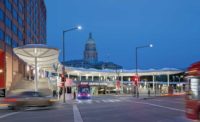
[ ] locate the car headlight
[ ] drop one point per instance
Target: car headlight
(88, 95)
(53, 100)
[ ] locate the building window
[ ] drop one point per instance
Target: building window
(20, 7)
(28, 33)
(8, 40)
(1, 34)
(1, 14)
(20, 36)
(28, 20)
(8, 22)
(14, 44)
(16, 2)
(14, 13)
(14, 28)
(8, 4)
(20, 21)
(26, 42)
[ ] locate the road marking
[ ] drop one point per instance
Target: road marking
(181, 102)
(77, 115)
(7, 115)
(97, 101)
(104, 101)
(112, 101)
(170, 108)
(117, 100)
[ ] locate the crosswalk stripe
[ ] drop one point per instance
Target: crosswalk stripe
(99, 101)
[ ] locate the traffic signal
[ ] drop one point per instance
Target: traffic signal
(62, 78)
(135, 79)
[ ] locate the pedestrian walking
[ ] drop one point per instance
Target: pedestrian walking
(74, 95)
(54, 93)
(149, 92)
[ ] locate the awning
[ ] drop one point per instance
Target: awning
(37, 55)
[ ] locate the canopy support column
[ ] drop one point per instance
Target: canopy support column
(36, 84)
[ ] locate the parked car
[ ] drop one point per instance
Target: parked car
(28, 99)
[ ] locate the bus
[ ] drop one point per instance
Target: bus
(192, 97)
(84, 91)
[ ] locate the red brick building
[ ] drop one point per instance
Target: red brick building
(21, 22)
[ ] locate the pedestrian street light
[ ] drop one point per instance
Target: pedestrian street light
(136, 63)
(79, 27)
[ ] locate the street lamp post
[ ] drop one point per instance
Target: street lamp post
(136, 64)
(63, 68)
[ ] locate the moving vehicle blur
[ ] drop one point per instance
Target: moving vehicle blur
(84, 91)
(28, 99)
(193, 92)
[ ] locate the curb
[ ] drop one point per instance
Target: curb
(168, 95)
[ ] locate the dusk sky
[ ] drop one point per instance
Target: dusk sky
(118, 26)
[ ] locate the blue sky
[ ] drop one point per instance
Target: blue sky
(118, 26)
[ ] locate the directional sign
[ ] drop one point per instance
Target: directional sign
(117, 84)
(68, 82)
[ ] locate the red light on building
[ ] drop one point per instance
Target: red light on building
(2, 70)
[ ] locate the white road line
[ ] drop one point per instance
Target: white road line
(97, 101)
(117, 100)
(90, 102)
(170, 108)
(181, 102)
(112, 101)
(77, 115)
(105, 101)
(7, 115)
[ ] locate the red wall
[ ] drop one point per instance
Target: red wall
(2, 67)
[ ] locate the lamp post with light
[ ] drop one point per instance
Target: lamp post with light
(63, 68)
(136, 64)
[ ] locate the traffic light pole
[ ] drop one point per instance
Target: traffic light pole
(63, 68)
(136, 72)
(136, 65)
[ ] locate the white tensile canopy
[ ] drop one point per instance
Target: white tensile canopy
(37, 55)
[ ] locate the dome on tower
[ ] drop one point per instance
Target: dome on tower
(90, 52)
(90, 39)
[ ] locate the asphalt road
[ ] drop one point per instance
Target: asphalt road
(106, 109)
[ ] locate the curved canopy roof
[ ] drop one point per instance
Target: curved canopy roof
(123, 72)
(45, 55)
